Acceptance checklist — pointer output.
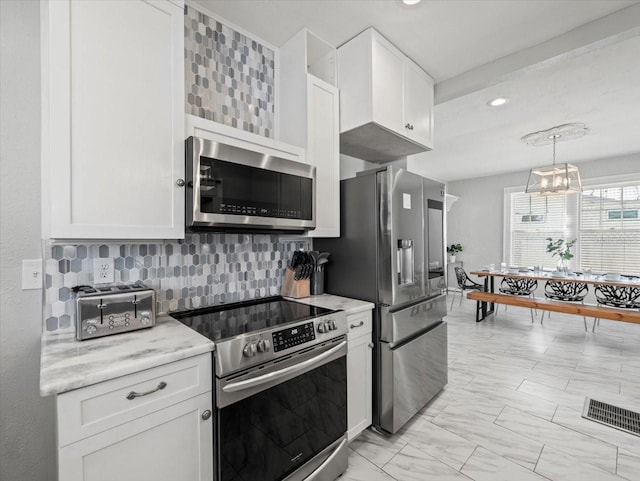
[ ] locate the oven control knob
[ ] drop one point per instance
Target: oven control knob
(249, 350)
(322, 327)
(332, 325)
(264, 345)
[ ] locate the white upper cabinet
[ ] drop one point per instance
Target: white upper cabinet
(310, 117)
(113, 119)
(418, 104)
(387, 89)
(386, 100)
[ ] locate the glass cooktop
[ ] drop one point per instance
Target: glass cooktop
(230, 320)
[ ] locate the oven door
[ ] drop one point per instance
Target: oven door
(285, 419)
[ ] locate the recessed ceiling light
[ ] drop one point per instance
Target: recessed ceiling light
(410, 2)
(498, 101)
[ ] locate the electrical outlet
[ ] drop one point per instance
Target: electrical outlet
(103, 271)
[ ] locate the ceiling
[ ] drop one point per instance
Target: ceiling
(558, 61)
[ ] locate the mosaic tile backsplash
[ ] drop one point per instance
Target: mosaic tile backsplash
(229, 76)
(201, 270)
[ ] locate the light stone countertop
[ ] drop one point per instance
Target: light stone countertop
(329, 301)
(67, 364)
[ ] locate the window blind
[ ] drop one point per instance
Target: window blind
(605, 219)
(610, 228)
(533, 219)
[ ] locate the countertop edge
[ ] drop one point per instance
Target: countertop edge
(359, 309)
(331, 301)
(55, 388)
(53, 384)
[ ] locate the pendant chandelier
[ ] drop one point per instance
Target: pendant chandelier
(556, 178)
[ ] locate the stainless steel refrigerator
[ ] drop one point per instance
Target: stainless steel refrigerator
(391, 252)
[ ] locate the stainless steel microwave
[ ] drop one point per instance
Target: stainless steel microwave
(231, 187)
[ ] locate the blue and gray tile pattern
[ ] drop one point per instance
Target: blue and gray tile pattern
(229, 76)
(201, 270)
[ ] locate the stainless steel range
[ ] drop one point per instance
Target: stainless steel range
(280, 389)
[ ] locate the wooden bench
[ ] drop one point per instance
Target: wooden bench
(587, 310)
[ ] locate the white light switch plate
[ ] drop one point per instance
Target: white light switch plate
(31, 274)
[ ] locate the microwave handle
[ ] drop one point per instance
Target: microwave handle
(256, 381)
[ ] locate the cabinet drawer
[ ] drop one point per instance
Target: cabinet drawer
(87, 411)
(359, 324)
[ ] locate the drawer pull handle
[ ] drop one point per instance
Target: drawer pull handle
(206, 415)
(353, 326)
(132, 395)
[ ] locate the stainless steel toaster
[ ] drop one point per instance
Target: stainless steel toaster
(102, 311)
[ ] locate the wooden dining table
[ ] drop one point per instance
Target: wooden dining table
(594, 279)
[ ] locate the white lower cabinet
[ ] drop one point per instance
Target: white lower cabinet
(170, 444)
(169, 438)
(359, 373)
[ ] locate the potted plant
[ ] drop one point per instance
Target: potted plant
(561, 249)
(452, 250)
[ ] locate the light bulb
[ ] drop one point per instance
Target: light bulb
(498, 101)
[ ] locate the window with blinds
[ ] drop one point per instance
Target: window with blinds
(534, 218)
(610, 228)
(605, 220)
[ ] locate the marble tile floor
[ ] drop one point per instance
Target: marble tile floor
(512, 408)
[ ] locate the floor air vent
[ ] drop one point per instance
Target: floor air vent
(619, 418)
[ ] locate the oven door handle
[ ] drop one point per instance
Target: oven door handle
(256, 381)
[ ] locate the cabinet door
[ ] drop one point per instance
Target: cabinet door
(167, 445)
(113, 119)
(359, 384)
(323, 151)
(418, 104)
(386, 79)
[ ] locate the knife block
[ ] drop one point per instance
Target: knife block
(293, 288)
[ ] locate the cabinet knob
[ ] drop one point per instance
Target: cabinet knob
(371, 345)
(206, 415)
(180, 183)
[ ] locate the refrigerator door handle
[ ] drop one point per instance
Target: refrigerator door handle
(388, 308)
(398, 323)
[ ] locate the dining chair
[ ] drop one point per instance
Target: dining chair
(566, 291)
(464, 284)
(516, 286)
(622, 297)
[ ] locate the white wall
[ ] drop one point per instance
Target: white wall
(476, 220)
(27, 442)
(350, 166)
